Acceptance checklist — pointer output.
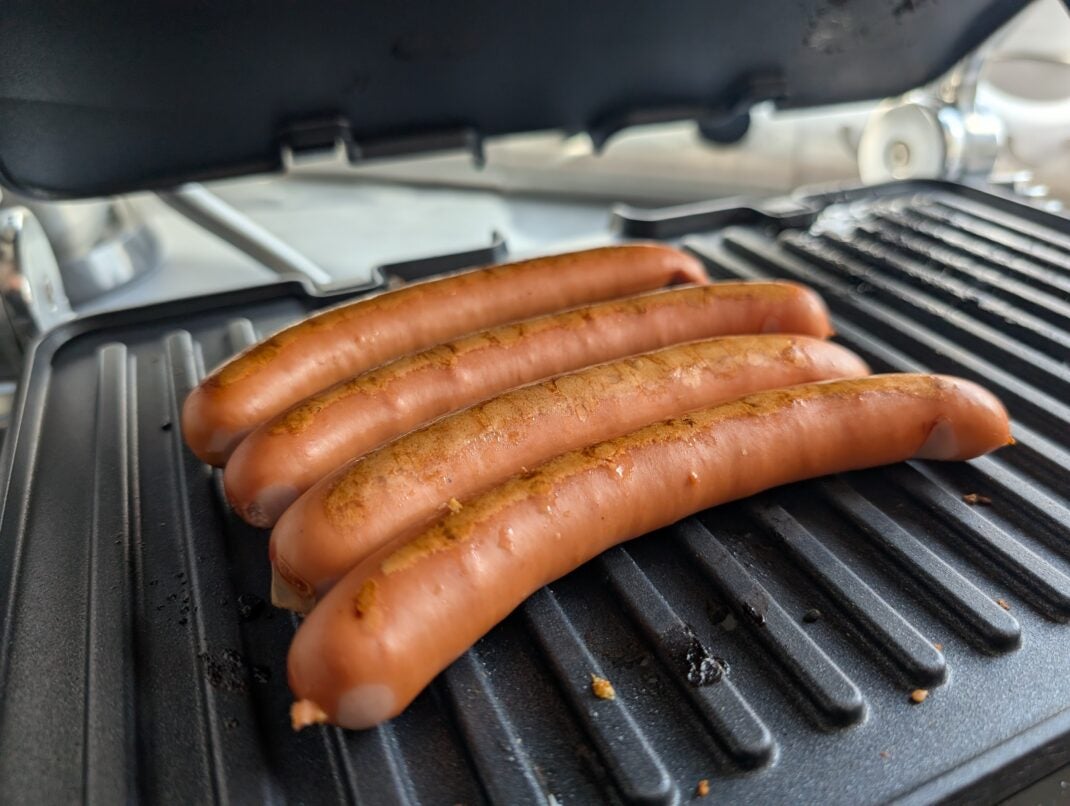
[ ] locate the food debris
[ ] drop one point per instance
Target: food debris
(919, 695)
(225, 671)
(703, 788)
(454, 505)
(602, 688)
(976, 499)
(812, 615)
(756, 612)
(939, 646)
(304, 713)
(1003, 603)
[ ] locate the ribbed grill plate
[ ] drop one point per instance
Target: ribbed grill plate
(138, 662)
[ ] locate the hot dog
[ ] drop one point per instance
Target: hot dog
(343, 341)
(393, 622)
(289, 454)
(409, 482)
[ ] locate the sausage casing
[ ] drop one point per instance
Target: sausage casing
(348, 339)
(287, 455)
(410, 481)
(395, 621)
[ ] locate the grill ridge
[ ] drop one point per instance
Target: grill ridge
(833, 699)
(942, 248)
(732, 721)
(636, 767)
(1031, 241)
(914, 658)
(109, 620)
(995, 628)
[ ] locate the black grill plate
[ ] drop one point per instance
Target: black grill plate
(138, 662)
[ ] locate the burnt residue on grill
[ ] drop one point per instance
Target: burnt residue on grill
(703, 668)
(225, 670)
(228, 670)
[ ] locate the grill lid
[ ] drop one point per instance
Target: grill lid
(106, 97)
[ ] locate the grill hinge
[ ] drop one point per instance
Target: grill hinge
(317, 141)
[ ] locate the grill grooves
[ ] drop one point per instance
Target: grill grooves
(1033, 576)
(636, 767)
(994, 229)
(106, 694)
(493, 741)
(936, 246)
(731, 720)
(944, 354)
(183, 376)
(106, 730)
(994, 627)
(914, 657)
(833, 253)
(833, 700)
(1029, 506)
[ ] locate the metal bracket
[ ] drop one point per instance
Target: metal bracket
(936, 132)
(420, 268)
(315, 141)
(684, 219)
(331, 141)
(210, 212)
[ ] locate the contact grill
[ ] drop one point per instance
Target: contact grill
(769, 646)
(772, 647)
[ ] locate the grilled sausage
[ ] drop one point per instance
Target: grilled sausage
(395, 621)
(287, 455)
(341, 342)
(407, 483)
